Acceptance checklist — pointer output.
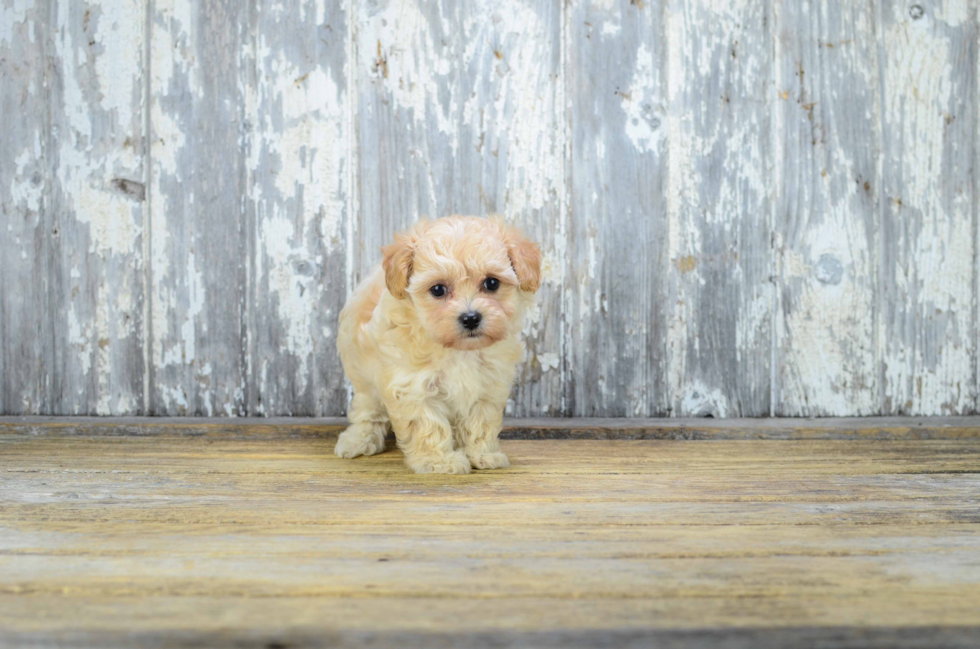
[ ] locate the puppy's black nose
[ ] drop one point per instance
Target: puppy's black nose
(470, 320)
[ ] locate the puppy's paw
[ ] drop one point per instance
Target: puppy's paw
(360, 439)
(456, 462)
(496, 460)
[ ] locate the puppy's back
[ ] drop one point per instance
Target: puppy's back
(360, 307)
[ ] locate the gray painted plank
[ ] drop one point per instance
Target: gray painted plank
(509, 160)
(297, 209)
(197, 194)
(96, 161)
(25, 333)
(927, 290)
(720, 297)
(827, 134)
(76, 313)
(616, 270)
(407, 115)
(461, 103)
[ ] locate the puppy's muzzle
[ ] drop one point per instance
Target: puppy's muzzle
(470, 320)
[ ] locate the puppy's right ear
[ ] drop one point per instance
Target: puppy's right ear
(397, 261)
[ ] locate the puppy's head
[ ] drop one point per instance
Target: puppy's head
(464, 277)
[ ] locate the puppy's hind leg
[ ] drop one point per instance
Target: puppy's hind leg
(368, 429)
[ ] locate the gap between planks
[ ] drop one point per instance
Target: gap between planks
(866, 428)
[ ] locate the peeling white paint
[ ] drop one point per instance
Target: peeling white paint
(96, 122)
(113, 225)
(120, 34)
(515, 62)
(718, 80)
(643, 114)
(928, 366)
(22, 190)
(551, 267)
(296, 293)
(549, 361)
(299, 169)
(12, 15)
(79, 338)
(824, 322)
(611, 29)
(173, 399)
(953, 12)
(400, 50)
(918, 89)
(308, 144)
(699, 400)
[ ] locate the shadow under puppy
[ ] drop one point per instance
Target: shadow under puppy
(431, 339)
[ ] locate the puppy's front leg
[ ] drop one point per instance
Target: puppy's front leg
(426, 439)
(479, 432)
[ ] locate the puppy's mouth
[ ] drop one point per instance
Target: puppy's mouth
(471, 340)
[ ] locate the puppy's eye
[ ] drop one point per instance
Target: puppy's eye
(439, 290)
(491, 284)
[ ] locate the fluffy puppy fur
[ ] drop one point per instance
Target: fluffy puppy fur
(419, 361)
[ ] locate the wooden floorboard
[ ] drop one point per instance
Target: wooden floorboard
(260, 537)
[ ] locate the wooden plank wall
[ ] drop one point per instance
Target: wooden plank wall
(746, 208)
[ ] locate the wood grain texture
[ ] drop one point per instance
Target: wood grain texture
(407, 116)
(297, 211)
(718, 208)
(827, 135)
(199, 248)
(617, 245)
(696, 428)
(198, 539)
(927, 278)
(73, 289)
(97, 196)
(954, 637)
(676, 428)
(26, 336)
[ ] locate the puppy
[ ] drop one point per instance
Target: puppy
(430, 341)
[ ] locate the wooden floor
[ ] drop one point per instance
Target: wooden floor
(255, 535)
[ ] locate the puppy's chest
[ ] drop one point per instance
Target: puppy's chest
(466, 378)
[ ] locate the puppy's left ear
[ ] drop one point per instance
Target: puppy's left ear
(525, 256)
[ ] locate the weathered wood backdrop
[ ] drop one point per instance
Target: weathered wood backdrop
(747, 207)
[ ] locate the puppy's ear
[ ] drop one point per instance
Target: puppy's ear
(397, 261)
(525, 256)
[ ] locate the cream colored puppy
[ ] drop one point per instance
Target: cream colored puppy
(430, 341)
